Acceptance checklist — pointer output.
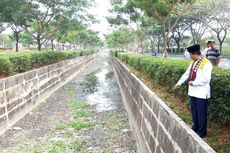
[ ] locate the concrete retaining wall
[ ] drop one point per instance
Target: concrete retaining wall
(156, 127)
(21, 93)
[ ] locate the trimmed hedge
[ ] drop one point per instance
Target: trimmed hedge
(167, 72)
(17, 62)
(5, 65)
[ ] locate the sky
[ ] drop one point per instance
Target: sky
(101, 11)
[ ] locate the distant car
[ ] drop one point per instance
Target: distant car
(141, 52)
(186, 54)
(154, 53)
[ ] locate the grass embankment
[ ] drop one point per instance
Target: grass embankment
(218, 135)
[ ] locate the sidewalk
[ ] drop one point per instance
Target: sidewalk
(86, 115)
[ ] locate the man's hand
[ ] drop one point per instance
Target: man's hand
(176, 86)
(190, 83)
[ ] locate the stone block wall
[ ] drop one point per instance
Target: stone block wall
(21, 93)
(156, 127)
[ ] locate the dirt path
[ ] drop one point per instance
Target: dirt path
(86, 115)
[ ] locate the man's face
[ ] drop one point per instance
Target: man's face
(208, 45)
(212, 45)
(193, 56)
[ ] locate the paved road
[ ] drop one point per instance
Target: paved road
(224, 62)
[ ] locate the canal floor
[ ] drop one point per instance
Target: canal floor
(86, 115)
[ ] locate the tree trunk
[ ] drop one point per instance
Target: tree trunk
(158, 44)
(178, 45)
(52, 44)
(165, 34)
(221, 41)
(39, 44)
(17, 40)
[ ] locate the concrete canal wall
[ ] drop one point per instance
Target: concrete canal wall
(21, 93)
(156, 127)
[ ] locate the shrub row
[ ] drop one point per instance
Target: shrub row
(17, 62)
(167, 72)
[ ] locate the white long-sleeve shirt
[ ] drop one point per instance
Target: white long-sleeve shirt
(201, 84)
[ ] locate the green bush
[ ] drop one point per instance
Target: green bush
(167, 72)
(5, 64)
(115, 53)
(21, 62)
(17, 62)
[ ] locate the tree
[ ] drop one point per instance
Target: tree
(216, 16)
(45, 11)
(162, 10)
(155, 34)
(196, 28)
(126, 14)
(120, 38)
(27, 39)
(15, 18)
(87, 39)
(178, 31)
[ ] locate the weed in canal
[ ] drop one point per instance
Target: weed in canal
(72, 95)
(77, 145)
(77, 105)
(107, 151)
(82, 113)
(69, 87)
(109, 75)
(90, 83)
(81, 124)
(60, 127)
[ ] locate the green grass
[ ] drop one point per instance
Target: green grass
(107, 151)
(60, 127)
(72, 95)
(111, 113)
(77, 105)
(77, 145)
(69, 87)
(81, 124)
(82, 113)
(57, 147)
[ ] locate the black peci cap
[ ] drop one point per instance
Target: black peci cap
(194, 49)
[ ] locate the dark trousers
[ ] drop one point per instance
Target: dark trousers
(199, 115)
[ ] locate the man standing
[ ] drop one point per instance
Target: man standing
(207, 47)
(198, 75)
(213, 54)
